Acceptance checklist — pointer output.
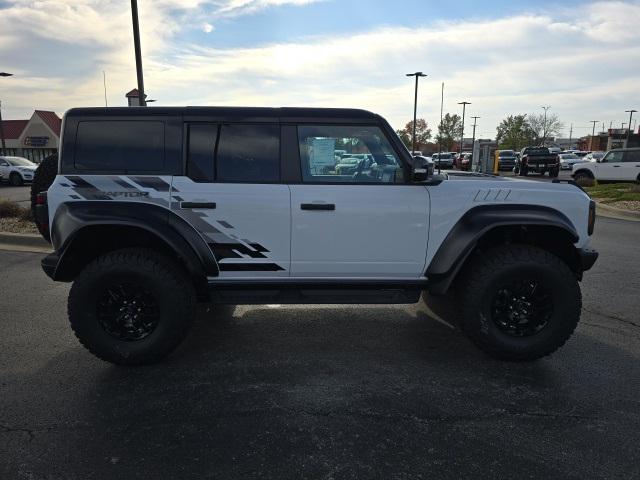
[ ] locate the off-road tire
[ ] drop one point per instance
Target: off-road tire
(554, 172)
(582, 174)
(478, 286)
(523, 171)
(43, 177)
(167, 283)
(15, 179)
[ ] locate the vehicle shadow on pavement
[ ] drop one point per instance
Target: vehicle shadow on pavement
(327, 391)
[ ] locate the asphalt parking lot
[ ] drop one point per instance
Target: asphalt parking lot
(21, 195)
(325, 392)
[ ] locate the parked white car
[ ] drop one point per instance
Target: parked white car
(16, 170)
(568, 160)
(617, 165)
(594, 156)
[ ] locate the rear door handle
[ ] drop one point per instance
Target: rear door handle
(317, 206)
(208, 205)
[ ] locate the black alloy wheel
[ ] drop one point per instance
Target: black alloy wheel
(128, 311)
(522, 309)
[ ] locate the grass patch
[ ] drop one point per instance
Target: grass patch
(10, 209)
(615, 192)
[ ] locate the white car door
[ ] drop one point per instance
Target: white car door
(233, 197)
(631, 165)
(610, 167)
(368, 224)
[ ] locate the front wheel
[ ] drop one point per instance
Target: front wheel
(523, 171)
(15, 179)
(131, 306)
(518, 302)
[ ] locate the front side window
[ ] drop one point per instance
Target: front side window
(613, 157)
(122, 145)
(369, 157)
(248, 153)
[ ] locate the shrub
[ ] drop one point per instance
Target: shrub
(10, 209)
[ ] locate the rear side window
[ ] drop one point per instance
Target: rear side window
(129, 146)
(632, 156)
(248, 153)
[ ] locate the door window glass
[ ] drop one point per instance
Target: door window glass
(202, 147)
(347, 154)
(249, 153)
(613, 157)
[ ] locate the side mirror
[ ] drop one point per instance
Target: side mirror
(419, 174)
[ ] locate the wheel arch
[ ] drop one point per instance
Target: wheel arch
(589, 173)
(81, 231)
(487, 226)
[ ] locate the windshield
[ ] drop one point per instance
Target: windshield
(443, 156)
(507, 153)
(19, 162)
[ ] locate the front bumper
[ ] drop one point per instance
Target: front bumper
(588, 257)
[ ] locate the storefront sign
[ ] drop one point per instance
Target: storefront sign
(36, 141)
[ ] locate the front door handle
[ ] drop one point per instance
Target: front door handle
(317, 206)
(616, 166)
(208, 205)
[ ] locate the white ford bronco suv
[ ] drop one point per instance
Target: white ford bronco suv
(153, 209)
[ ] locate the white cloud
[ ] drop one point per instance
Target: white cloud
(207, 28)
(585, 68)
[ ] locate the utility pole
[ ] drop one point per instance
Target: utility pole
(2, 142)
(570, 136)
(2, 129)
(415, 109)
(630, 112)
(473, 142)
(104, 82)
(544, 126)
(136, 45)
(464, 106)
(593, 133)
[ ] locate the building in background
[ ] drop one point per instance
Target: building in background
(133, 98)
(35, 138)
(610, 140)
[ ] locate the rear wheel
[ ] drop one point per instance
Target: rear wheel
(554, 172)
(43, 177)
(523, 171)
(131, 306)
(518, 302)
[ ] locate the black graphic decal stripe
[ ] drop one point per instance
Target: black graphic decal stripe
(225, 224)
(238, 247)
(250, 267)
(85, 189)
(156, 183)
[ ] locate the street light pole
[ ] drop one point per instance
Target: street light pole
(2, 142)
(544, 126)
(473, 141)
(415, 109)
(630, 112)
(136, 45)
(464, 106)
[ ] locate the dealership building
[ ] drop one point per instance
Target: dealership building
(34, 138)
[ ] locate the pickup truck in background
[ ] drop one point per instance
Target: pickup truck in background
(539, 160)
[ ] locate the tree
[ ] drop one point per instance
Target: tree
(449, 131)
(514, 132)
(423, 133)
(544, 129)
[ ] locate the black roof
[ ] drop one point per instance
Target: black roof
(231, 113)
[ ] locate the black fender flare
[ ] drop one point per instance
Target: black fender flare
(72, 218)
(464, 236)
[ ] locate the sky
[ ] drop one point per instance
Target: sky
(582, 58)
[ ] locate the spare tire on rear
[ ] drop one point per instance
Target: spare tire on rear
(43, 177)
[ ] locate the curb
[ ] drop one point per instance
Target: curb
(617, 213)
(24, 242)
